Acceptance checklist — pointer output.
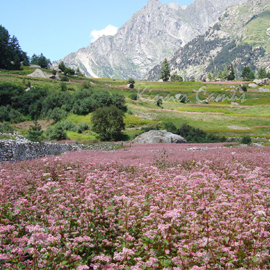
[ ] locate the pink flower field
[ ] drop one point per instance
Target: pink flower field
(144, 207)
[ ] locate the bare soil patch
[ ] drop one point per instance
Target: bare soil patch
(26, 124)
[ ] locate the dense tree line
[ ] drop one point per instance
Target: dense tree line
(11, 54)
(16, 103)
(40, 60)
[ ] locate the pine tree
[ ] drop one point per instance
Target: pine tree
(62, 66)
(10, 51)
(165, 71)
(35, 132)
(231, 75)
(262, 73)
(247, 73)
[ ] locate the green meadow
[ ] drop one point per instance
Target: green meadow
(251, 115)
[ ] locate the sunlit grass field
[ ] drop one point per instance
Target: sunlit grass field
(250, 117)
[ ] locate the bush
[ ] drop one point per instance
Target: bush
(62, 66)
(131, 82)
(69, 126)
(108, 123)
(15, 116)
(64, 79)
(69, 71)
(56, 133)
(4, 113)
(246, 140)
(159, 102)
(5, 127)
(170, 127)
(82, 127)
(176, 78)
(35, 132)
(196, 135)
(247, 73)
(133, 96)
(57, 114)
(63, 87)
(244, 88)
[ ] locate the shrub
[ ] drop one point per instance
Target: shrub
(82, 127)
(5, 127)
(246, 140)
(35, 132)
(159, 102)
(62, 66)
(133, 96)
(63, 87)
(108, 123)
(170, 127)
(244, 88)
(176, 78)
(196, 135)
(57, 114)
(64, 79)
(4, 113)
(247, 73)
(56, 133)
(131, 82)
(69, 126)
(15, 116)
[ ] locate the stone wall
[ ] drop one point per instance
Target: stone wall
(18, 150)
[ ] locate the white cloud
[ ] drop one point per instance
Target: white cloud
(110, 30)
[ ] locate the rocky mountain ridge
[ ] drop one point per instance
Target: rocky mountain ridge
(241, 36)
(153, 33)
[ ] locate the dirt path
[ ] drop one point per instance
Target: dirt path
(227, 83)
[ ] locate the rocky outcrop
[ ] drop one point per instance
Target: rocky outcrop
(159, 136)
(239, 37)
(152, 34)
(261, 82)
(38, 73)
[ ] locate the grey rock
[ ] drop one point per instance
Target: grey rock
(253, 85)
(257, 144)
(57, 77)
(40, 74)
(259, 82)
(159, 136)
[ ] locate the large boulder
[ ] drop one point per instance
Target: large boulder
(159, 136)
(40, 74)
(253, 85)
(261, 82)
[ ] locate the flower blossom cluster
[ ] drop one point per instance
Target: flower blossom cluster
(144, 207)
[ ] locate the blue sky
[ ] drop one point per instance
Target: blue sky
(57, 27)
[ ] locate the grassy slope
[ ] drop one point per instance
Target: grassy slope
(256, 30)
(221, 118)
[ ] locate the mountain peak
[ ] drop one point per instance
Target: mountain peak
(152, 34)
(153, 3)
